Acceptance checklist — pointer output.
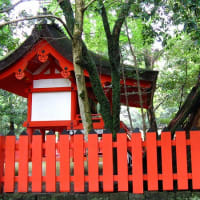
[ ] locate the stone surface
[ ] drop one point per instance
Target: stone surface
(183, 195)
(136, 196)
(156, 195)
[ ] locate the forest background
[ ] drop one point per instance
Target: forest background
(164, 35)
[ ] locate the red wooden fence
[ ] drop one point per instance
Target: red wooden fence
(72, 164)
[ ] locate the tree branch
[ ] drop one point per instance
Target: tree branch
(122, 16)
(12, 7)
(137, 77)
(38, 17)
(126, 95)
(68, 13)
(86, 7)
(105, 20)
(163, 101)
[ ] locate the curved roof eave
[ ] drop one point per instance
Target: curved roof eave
(55, 37)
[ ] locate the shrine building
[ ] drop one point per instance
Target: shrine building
(41, 70)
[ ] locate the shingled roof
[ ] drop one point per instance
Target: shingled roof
(55, 36)
(58, 40)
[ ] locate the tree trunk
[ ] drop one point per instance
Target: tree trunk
(110, 117)
(11, 125)
(149, 62)
(114, 57)
(152, 118)
(90, 66)
(80, 79)
(189, 107)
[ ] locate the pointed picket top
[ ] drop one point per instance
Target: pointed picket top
(92, 132)
(72, 132)
(165, 129)
(11, 133)
(78, 132)
(107, 131)
(151, 130)
(24, 133)
(51, 132)
(65, 132)
(122, 130)
(179, 129)
(136, 130)
(195, 129)
(37, 132)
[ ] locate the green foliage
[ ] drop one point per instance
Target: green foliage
(186, 13)
(136, 117)
(54, 8)
(4, 4)
(94, 35)
(177, 76)
(8, 43)
(13, 109)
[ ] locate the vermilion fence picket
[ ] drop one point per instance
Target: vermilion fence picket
(23, 163)
(2, 158)
(166, 155)
(107, 150)
(78, 149)
(93, 162)
(137, 165)
(9, 164)
(64, 151)
(50, 148)
(181, 159)
(37, 162)
(195, 161)
(122, 162)
(152, 162)
(71, 163)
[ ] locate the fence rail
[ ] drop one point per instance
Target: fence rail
(73, 164)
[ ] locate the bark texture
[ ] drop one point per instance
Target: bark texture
(76, 26)
(80, 78)
(114, 58)
(188, 115)
(150, 59)
(109, 114)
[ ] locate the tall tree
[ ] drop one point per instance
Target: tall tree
(12, 107)
(178, 75)
(8, 42)
(110, 115)
(13, 111)
(77, 29)
(83, 59)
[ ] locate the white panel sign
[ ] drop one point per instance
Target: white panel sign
(51, 83)
(51, 106)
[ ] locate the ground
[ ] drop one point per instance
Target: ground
(185, 195)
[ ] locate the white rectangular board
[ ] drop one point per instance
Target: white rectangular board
(51, 106)
(51, 83)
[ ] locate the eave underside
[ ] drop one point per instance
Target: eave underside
(31, 63)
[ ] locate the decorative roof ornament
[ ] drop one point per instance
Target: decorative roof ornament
(65, 73)
(42, 55)
(19, 74)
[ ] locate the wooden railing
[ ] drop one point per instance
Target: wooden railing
(72, 164)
